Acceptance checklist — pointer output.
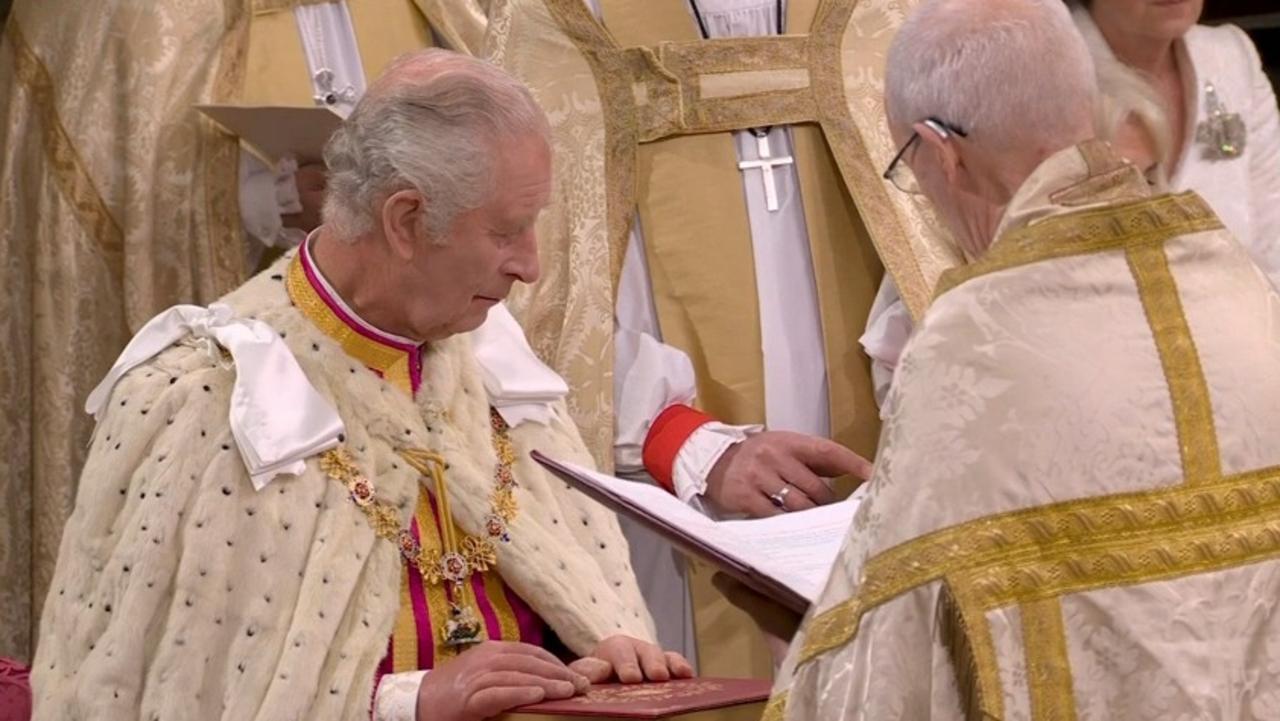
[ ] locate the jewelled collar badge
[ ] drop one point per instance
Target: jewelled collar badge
(454, 559)
(1223, 133)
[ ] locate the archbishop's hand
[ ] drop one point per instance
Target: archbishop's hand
(493, 677)
(631, 660)
(787, 466)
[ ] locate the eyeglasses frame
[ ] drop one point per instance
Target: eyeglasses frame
(937, 125)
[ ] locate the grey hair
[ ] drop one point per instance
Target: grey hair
(1124, 91)
(1011, 73)
(431, 123)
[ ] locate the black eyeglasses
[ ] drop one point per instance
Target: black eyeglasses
(899, 173)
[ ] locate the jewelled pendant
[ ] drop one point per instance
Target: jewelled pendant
(462, 628)
(361, 491)
(496, 528)
(454, 568)
(1223, 133)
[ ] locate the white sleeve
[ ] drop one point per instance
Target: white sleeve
(397, 696)
(1263, 125)
(265, 195)
(889, 326)
(648, 375)
(654, 377)
(649, 379)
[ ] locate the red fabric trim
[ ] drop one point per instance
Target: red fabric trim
(666, 437)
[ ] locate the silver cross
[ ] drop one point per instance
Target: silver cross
(765, 165)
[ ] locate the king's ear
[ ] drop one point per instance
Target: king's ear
(402, 214)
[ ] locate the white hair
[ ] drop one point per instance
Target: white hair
(1010, 73)
(432, 123)
(1124, 92)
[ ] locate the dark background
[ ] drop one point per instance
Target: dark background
(1261, 18)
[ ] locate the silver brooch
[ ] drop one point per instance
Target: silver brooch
(1222, 133)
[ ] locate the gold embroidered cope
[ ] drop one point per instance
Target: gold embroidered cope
(1033, 557)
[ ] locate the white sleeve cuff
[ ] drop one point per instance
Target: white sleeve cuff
(889, 327)
(881, 381)
(699, 455)
(649, 378)
(397, 696)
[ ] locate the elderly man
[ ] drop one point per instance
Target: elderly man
(1075, 508)
(300, 500)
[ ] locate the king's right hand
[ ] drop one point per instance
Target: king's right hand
(493, 677)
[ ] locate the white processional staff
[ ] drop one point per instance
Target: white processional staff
(333, 55)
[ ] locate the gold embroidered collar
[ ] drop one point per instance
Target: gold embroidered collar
(398, 360)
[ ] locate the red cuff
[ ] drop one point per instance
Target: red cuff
(666, 437)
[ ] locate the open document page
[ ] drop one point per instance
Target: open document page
(786, 557)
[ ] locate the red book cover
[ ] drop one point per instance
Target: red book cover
(666, 700)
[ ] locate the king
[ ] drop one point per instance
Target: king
(316, 495)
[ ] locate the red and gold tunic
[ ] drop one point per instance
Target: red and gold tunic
(415, 643)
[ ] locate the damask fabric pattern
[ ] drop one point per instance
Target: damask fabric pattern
(568, 313)
(1035, 542)
(461, 24)
(117, 201)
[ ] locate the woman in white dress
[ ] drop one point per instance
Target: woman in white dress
(1201, 107)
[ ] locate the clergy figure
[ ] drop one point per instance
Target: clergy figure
(317, 494)
(303, 54)
(1075, 511)
(719, 201)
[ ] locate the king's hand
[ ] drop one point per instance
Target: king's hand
(493, 677)
(631, 660)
